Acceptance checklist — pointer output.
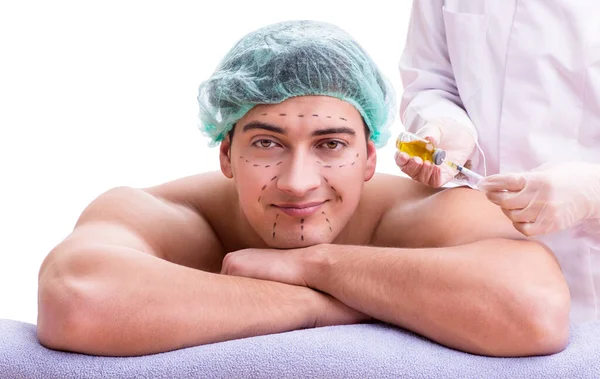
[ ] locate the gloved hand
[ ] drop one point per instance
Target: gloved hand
(548, 198)
(445, 133)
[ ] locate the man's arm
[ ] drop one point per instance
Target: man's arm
(482, 288)
(111, 287)
(449, 266)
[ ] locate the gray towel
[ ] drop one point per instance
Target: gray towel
(353, 351)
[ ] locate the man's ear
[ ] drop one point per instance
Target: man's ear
(225, 157)
(371, 160)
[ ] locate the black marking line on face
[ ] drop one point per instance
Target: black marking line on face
(337, 195)
(263, 188)
(300, 115)
(302, 221)
(259, 199)
(278, 163)
(275, 224)
(327, 166)
(264, 114)
(315, 115)
(273, 178)
(302, 229)
(319, 162)
(326, 219)
(283, 114)
(328, 116)
(341, 118)
(342, 165)
(257, 165)
(276, 217)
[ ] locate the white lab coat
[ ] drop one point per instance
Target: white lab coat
(525, 74)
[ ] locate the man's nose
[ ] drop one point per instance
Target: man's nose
(299, 175)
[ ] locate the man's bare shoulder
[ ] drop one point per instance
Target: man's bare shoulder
(421, 216)
(171, 221)
(380, 194)
(206, 192)
(212, 196)
(385, 192)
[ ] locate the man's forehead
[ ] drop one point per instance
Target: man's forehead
(310, 105)
(309, 113)
(285, 129)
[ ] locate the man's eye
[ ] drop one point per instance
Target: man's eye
(333, 145)
(264, 143)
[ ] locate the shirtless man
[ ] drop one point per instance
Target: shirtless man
(297, 231)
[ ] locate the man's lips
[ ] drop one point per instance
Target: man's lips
(299, 210)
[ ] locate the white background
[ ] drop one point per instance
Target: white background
(99, 94)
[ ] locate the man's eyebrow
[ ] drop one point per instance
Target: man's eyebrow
(342, 130)
(261, 125)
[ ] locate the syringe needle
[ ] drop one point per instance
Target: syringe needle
(464, 170)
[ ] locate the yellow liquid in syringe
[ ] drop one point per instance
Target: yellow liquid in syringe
(417, 148)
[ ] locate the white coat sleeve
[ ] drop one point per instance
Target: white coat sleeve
(430, 90)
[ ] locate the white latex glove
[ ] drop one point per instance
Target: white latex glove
(445, 133)
(548, 198)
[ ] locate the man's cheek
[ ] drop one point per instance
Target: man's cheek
(332, 162)
(339, 178)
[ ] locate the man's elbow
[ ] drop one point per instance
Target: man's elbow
(541, 302)
(66, 318)
(63, 322)
(547, 320)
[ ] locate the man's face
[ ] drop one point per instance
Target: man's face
(299, 168)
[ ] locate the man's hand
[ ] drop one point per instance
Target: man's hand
(547, 199)
(284, 266)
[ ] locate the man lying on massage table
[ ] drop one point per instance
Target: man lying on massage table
(297, 231)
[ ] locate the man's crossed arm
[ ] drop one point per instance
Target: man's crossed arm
(480, 294)
(105, 290)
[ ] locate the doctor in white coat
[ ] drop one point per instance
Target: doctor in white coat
(511, 88)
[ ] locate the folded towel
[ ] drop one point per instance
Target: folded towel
(352, 351)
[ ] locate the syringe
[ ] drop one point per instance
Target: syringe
(416, 146)
(464, 170)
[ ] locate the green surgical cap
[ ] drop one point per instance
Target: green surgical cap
(295, 58)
